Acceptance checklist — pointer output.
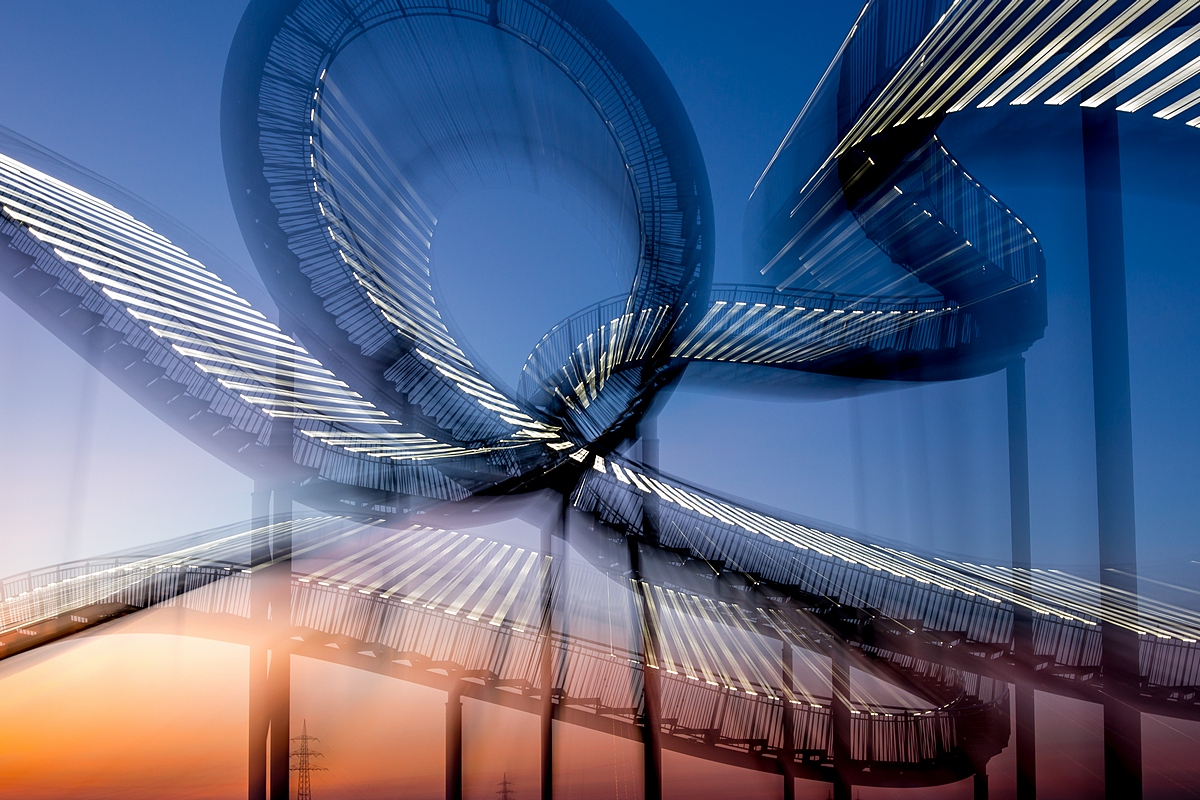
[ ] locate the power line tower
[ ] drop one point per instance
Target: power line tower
(505, 792)
(304, 766)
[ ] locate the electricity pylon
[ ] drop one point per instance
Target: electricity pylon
(505, 792)
(304, 766)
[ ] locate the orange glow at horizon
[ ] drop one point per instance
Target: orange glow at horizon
(151, 706)
(134, 711)
(124, 716)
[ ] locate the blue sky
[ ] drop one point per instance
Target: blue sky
(131, 90)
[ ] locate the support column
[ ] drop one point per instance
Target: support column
(980, 786)
(839, 720)
(648, 434)
(651, 717)
(1022, 563)
(651, 692)
(1026, 743)
(1114, 446)
(283, 437)
(260, 721)
(454, 758)
(270, 654)
(279, 671)
(652, 736)
(270, 609)
(787, 753)
(279, 677)
(547, 728)
(547, 655)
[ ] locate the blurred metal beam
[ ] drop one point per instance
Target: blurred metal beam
(1022, 563)
(1114, 445)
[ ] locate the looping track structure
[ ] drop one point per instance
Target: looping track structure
(884, 260)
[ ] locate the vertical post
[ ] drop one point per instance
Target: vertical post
(651, 718)
(260, 721)
(270, 656)
(839, 720)
(1022, 564)
(980, 785)
(1114, 447)
(787, 753)
(547, 727)
(547, 661)
(651, 692)
(651, 734)
(454, 757)
(279, 671)
(271, 588)
(1026, 743)
(648, 434)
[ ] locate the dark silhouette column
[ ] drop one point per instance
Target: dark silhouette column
(652, 735)
(260, 721)
(648, 434)
(1022, 563)
(269, 734)
(1114, 446)
(839, 720)
(454, 757)
(547, 738)
(279, 671)
(270, 652)
(651, 693)
(787, 753)
(546, 729)
(552, 591)
(651, 718)
(1023, 702)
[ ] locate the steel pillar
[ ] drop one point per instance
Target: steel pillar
(1022, 563)
(279, 683)
(546, 731)
(980, 786)
(270, 610)
(555, 574)
(270, 654)
(839, 720)
(1023, 702)
(651, 694)
(652, 736)
(260, 720)
(454, 756)
(787, 753)
(651, 718)
(1114, 445)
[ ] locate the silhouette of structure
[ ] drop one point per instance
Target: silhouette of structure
(304, 767)
(506, 792)
(886, 261)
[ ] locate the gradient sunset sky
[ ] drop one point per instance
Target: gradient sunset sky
(130, 89)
